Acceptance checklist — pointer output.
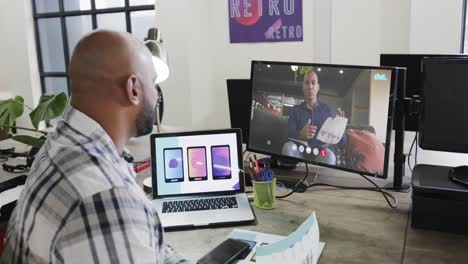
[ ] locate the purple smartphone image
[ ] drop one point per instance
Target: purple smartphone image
(173, 163)
(221, 162)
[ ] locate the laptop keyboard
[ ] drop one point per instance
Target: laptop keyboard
(199, 204)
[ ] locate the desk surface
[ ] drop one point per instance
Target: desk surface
(357, 226)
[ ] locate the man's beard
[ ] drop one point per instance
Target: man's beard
(145, 120)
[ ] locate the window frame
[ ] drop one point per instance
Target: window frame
(62, 14)
(463, 28)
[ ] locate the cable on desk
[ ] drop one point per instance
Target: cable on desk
(411, 152)
(416, 152)
(301, 184)
(297, 185)
(385, 194)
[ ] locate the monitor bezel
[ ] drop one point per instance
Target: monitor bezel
(236, 131)
(459, 148)
(391, 106)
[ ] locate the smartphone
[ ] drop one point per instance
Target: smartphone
(197, 168)
(247, 252)
(221, 162)
(226, 252)
(173, 165)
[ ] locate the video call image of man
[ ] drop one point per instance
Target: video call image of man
(305, 122)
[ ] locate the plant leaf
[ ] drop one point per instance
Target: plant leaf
(29, 140)
(305, 69)
(50, 106)
(10, 110)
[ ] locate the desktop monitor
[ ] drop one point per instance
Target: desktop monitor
(331, 115)
(413, 84)
(240, 101)
(443, 105)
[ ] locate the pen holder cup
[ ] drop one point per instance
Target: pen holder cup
(264, 194)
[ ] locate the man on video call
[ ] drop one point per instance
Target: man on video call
(305, 121)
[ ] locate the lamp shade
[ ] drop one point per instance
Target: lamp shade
(154, 43)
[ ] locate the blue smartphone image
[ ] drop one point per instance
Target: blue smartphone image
(173, 165)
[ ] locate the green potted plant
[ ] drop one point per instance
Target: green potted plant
(50, 106)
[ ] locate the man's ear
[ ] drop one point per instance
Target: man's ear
(133, 90)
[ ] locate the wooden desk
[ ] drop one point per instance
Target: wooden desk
(357, 226)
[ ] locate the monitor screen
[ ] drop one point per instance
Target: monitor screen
(413, 84)
(240, 101)
(332, 115)
(196, 162)
(443, 102)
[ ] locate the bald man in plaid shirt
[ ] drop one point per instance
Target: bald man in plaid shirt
(81, 203)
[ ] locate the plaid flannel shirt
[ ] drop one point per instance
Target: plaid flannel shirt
(81, 204)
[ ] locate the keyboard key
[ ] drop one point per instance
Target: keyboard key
(200, 204)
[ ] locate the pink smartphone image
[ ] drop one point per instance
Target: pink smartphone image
(197, 163)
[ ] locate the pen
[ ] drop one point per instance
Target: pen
(254, 175)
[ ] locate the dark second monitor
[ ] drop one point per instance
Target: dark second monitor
(240, 101)
(413, 83)
(443, 118)
(332, 115)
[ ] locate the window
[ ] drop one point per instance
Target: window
(464, 44)
(59, 24)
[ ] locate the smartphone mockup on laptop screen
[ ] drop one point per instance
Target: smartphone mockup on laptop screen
(173, 160)
(197, 178)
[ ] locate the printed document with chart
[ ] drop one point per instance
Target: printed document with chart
(301, 246)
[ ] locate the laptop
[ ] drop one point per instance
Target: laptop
(197, 180)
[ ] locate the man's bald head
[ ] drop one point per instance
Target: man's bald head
(105, 57)
(112, 81)
(311, 87)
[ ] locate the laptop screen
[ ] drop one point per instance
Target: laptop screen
(196, 162)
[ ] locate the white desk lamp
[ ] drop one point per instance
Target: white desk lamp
(154, 43)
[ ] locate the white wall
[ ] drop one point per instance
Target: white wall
(435, 26)
(395, 26)
(363, 29)
(356, 31)
(203, 35)
(177, 40)
(19, 74)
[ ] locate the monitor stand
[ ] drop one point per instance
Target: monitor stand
(404, 185)
(282, 163)
(459, 175)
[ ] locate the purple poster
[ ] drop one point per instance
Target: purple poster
(265, 20)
